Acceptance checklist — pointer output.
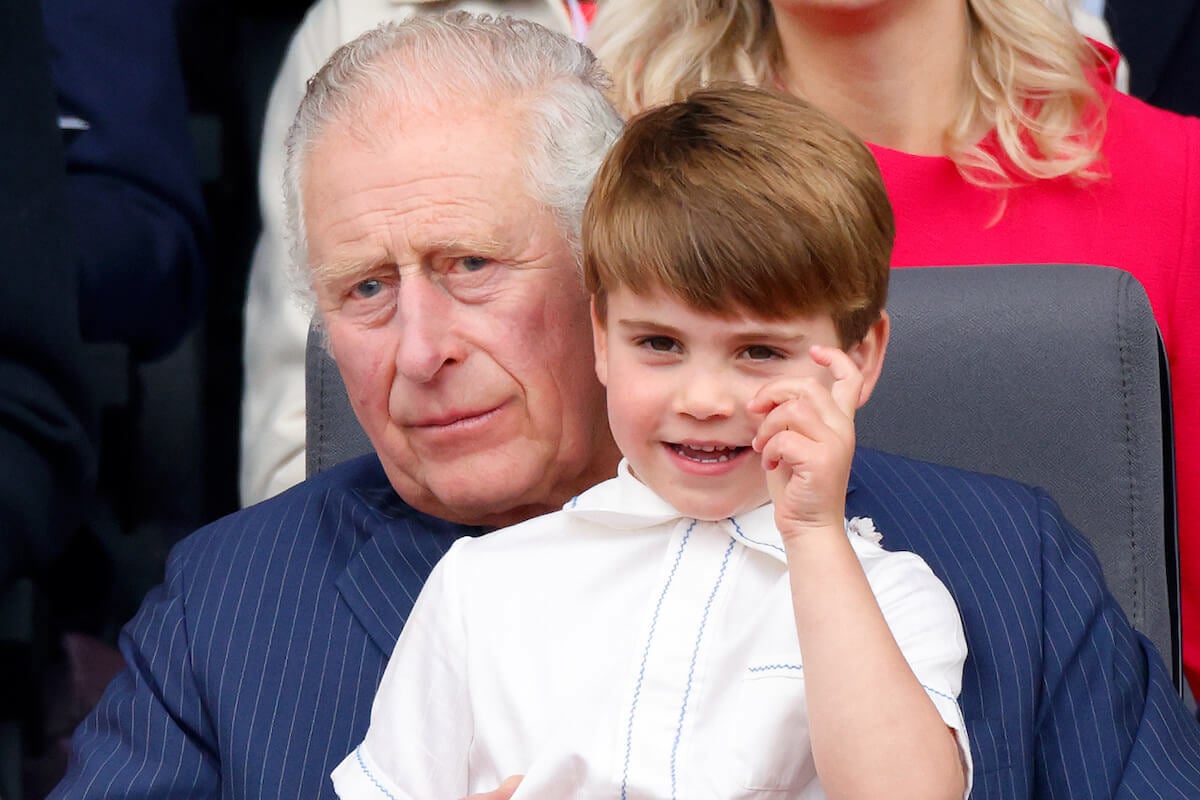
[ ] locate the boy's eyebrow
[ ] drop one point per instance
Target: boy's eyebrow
(772, 335)
(648, 324)
(747, 336)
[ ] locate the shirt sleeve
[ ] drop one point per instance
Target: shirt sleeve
(925, 622)
(421, 723)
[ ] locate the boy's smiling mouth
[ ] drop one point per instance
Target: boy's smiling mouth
(707, 454)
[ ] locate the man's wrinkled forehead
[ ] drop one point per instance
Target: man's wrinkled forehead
(405, 94)
(407, 192)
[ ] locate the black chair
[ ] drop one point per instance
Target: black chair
(1053, 375)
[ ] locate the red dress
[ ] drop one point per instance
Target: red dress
(1143, 218)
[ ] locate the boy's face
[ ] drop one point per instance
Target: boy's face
(679, 381)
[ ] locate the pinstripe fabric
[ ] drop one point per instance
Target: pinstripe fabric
(251, 672)
(1062, 698)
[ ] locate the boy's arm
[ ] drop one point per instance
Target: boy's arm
(875, 731)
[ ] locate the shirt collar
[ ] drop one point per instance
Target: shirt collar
(625, 503)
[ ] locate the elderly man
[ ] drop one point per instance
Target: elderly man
(273, 414)
(437, 198)
(437, 173)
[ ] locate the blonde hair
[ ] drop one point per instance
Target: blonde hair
(742, 200)
(1028, 76)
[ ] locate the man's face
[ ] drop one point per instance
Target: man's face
(456, 314)
(679, 382)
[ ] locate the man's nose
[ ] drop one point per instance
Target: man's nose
(705, 393)
(424, 315)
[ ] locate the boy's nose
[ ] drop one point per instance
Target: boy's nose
(705, 394)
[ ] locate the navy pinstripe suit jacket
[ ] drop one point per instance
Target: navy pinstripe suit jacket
(251, 671)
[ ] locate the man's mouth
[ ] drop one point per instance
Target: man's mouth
(452, 419)
(707, 454)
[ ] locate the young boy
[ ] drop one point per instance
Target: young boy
(707, 623)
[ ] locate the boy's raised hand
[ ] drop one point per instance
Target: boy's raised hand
(807, 443)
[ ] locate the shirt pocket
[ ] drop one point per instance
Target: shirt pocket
(770, 743)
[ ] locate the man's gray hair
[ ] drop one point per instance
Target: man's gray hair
(556, 82)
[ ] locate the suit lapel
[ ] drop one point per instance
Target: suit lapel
(382, 579)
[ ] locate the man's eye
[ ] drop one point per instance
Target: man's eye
(368, 288)
(473, 263)
(760, 352)
(659, 344)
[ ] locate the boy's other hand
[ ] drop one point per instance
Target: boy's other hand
(503, 792)
(807, 442)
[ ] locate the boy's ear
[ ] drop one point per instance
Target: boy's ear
(599, 344)
(868, 355)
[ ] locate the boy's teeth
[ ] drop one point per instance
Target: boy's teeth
(707, 453)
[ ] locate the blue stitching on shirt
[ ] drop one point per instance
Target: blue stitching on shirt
(742, 534)
(637, 691)
(931, 690)
(695, 653)
(766, 667)
(363, 766)
(961, 719)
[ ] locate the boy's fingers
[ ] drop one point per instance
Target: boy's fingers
(787, 449)
(503, 792)
(807, 408)
(845, 385)
(799, 413)
(782, 390)
(847, 377)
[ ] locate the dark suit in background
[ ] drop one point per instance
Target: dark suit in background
(1161, 41)
(133, 198)
(251, 672)
(117, 261)
(46, 458)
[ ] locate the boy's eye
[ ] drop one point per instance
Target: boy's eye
(760, 352)
(659, 344)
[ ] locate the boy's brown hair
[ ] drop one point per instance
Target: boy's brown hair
(742, 200)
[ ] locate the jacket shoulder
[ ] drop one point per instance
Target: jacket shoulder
(899, 477)
(326, 517)
(949, 515)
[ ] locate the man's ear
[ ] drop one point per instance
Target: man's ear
(599, 344)
(868, 354)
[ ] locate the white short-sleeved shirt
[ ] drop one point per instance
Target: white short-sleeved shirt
(617, 649)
